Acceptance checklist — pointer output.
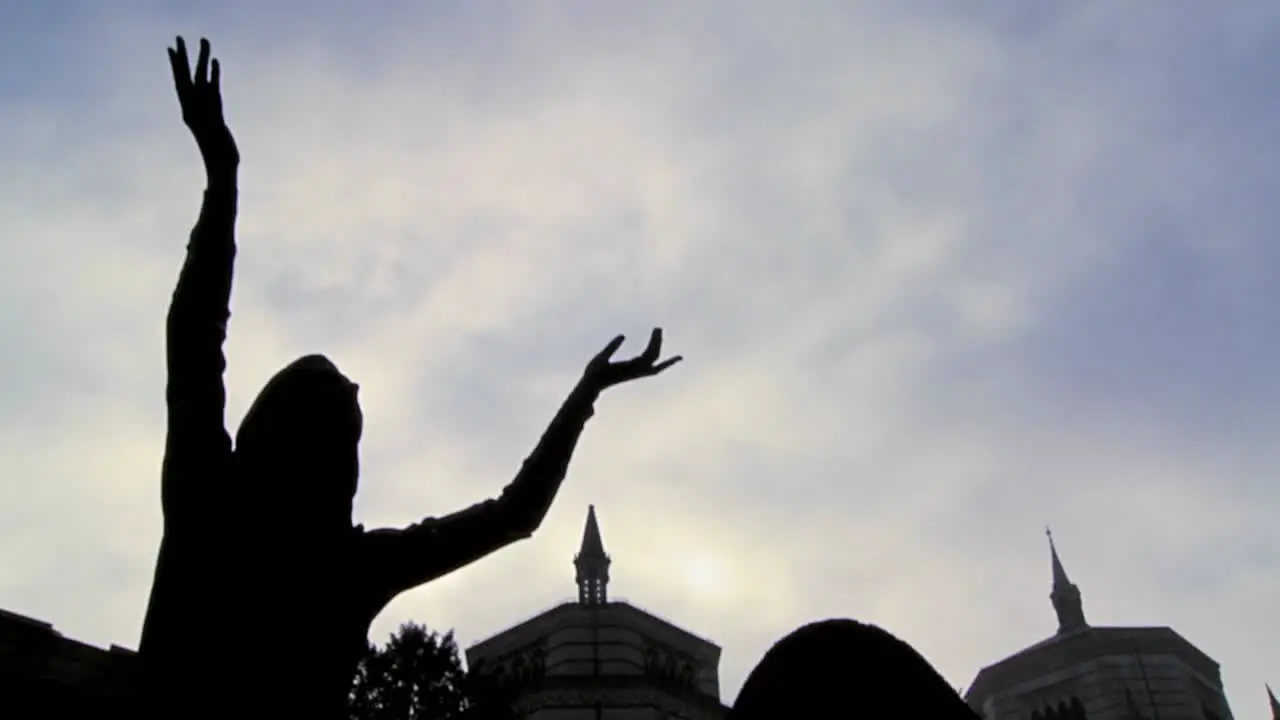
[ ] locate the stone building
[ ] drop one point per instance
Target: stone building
(602, 659)
(1085, 672)
(46, 676)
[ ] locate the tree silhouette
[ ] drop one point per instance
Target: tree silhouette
(418, 675)
(363, 698)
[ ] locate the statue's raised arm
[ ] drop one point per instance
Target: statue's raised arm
(197, 443)
(403, 559)
(195, 582)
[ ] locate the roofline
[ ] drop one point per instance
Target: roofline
(564, 605)
(49, 629)
(978, 684)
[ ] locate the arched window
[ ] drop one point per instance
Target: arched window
(539, 662)
(652, 663)
(1065, 709)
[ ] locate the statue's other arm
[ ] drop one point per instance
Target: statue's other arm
(404, 559)
(197, 445)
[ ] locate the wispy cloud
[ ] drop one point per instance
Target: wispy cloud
(940, 278)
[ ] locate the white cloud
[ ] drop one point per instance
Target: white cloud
(857, 224)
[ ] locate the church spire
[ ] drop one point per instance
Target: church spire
(1275, 704)
(592, 564)
(1065, 595)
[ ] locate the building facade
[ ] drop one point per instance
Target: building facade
(46, 676)
(598, 659)
(1085, 672)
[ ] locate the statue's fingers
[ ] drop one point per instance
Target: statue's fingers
(174, 67)
(609, 350)
(654, 348)
(181, 69)
(665, 364)
(202, 62)
(215, 74)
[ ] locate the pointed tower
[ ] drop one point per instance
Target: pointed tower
(592, 564)
(1275, 704)
(1065, 595)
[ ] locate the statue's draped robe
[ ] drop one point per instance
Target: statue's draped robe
(251, 614)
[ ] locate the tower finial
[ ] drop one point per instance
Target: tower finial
(1275, 704)
(1065, 595)
(1060, 579)
(592, 564)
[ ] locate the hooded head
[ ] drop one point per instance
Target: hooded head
(844, 668)
(297, 448)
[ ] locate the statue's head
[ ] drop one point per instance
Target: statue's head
(842, 668)
(298, 446)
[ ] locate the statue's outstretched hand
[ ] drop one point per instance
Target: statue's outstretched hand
(601, 373)
(201, 100)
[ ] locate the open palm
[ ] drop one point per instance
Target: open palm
(602, 372)
(201, 99)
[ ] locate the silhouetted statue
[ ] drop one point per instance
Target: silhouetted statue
(264, 590)
(845, 669)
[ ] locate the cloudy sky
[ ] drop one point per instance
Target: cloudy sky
(940, 278)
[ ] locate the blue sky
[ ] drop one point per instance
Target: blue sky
(940, 278)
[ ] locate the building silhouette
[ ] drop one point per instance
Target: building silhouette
(47, 676)
(1084, 672)
(601, 659)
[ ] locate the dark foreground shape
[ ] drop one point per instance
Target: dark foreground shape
(264, 589)
(843, 669)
